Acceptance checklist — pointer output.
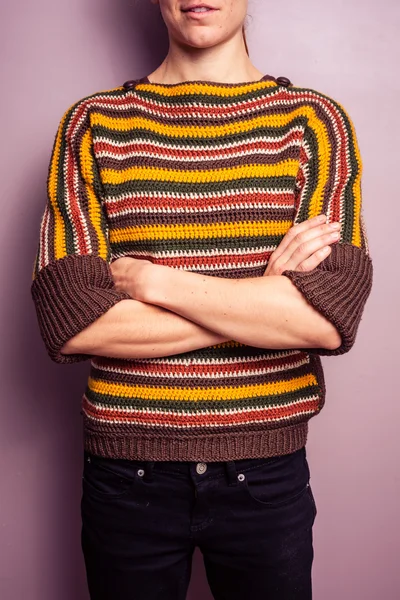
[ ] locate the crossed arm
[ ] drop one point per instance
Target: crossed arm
(176, 311)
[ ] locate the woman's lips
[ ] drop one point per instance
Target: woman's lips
(201, 14)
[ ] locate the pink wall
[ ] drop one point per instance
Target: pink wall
(56, 52)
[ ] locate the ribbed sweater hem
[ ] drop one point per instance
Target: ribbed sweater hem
(219, 447)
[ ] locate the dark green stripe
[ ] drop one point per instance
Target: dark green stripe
(349, 202)
(136, 133)
(312, 179)
(185, 406)
(184, 245)
(263, 183)
(189, 98)
(62, 185)
(99, 192)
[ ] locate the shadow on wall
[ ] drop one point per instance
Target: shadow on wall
(46, 417)
(136, 24)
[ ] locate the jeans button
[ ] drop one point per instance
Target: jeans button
(201, 468)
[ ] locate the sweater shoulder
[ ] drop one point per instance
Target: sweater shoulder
(86, 104)
(317, 99)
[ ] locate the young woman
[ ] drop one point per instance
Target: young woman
(203, 245)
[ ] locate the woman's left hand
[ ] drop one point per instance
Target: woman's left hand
(131, 275)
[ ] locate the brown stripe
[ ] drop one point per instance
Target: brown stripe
(207, 118)
(185, 382)
(292, 152)
(233, 215)
(116, 429)
(252, 144)
(162, 365)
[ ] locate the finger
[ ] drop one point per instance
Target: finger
(296, 230)
(302, 244)
(315, 259)
(291, 259)
(307, 248)
(305, 238)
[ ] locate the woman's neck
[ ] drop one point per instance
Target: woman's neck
(227, 64)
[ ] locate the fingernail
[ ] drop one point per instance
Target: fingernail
(321, 218)
(335, 225)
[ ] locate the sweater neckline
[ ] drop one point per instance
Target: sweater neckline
(146, 80)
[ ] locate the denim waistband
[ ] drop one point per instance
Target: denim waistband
(214, 469)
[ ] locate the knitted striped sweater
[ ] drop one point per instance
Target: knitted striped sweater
(206, 177)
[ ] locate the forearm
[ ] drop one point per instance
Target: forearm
(266, 312)
(132, 329)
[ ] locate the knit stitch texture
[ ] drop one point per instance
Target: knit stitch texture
(205, 177)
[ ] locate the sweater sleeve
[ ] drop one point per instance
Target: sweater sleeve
(329, 182)
(72, 283)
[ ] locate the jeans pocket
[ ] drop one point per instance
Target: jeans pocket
(107, 478)
(279, 483)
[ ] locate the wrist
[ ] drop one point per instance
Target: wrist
(154, 283)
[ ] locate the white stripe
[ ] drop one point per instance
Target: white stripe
(70, 159)
(222, 145)
(234, 108)
(333, 114)
(231, 110)
(205, 376)
(158, 413)
(166, 254)
(195, 210)
(188, 156)
(43, 246)
(230, 193)
(233, 360)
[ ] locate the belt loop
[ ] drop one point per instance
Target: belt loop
(231, 472)
(148, 471)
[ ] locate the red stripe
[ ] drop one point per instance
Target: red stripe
(331, 114)
(199, 153)
(220, 110)
(342, 170)
(206, 261)
(72, 169)
(200, 420)
(202, 368)
(237, 200)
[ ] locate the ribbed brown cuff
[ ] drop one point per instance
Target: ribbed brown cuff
(338, 288)
(69, 294)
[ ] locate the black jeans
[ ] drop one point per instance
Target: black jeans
(252, 520)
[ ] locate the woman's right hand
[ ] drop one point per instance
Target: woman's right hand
(304, 246)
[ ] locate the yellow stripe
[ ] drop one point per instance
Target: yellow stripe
(194, 394)
(60, 249)
(280, 169)
(324, 158)
(204, 88)
(178, 131)
(94, 203)
(200, 231)
(357, 233)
